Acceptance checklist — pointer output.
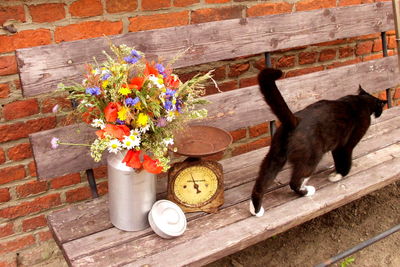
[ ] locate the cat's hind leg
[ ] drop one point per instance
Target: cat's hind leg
(342, 157)
(302, 170)
(270, 167)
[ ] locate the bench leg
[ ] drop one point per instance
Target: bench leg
(92, 183)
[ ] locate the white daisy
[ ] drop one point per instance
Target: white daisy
(145, 128)
(171, 116)
(98, 123)
(168, 141)
(131, 141)
(114, 146)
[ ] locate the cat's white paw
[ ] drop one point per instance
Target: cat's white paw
(253, 210)
(310, 190)
(335, 177)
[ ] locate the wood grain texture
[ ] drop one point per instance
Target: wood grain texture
(229, 110)
(378, 146)
(42, 68)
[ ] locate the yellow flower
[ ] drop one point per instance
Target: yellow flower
(122, 114)
(124, 91)
(105, 83)
(142, 119)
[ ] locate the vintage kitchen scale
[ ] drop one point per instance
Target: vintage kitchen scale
(197, 184)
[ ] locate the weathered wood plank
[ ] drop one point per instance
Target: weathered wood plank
(119, 255)
(229, 110)
(83, 226)
(42, 68)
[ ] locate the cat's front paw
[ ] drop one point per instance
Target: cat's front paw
(253, 210)
(335, 177)
(310, 190)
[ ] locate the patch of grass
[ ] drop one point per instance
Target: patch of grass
(347, 262)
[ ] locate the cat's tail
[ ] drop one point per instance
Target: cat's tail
(266, 80)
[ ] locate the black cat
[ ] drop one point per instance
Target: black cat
(306, 135)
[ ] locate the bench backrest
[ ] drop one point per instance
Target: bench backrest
(42, 68)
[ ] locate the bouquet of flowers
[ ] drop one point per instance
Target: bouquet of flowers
(136, 105)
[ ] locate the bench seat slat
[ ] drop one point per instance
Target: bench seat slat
(229, 110)
(42, 68)
(74, 248)
(369, 176)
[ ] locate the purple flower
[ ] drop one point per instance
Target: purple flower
(118, 121)
(161, 122)
(131, 60)
(168, 105)
(134, 53)
(132, 101)
(170, 92)
(54, 142)
(93, 91)
(178, 105)
(106, 76)
(161, 69)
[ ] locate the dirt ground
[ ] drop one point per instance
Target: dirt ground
(328, 235)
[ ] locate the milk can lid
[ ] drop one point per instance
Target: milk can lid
(167, 219)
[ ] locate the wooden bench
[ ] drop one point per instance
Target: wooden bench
(84, 232)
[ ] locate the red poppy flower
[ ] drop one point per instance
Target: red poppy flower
(150, 70)
(136, 83)
(116, 131)
(172, 81)
(111, 111)
(100, 134)
(151, 165)
(132, 160)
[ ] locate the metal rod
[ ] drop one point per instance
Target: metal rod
(268, 63)
(92, 183)
(359, 247)
(385, 54)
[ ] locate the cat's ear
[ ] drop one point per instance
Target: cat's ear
(361, 91)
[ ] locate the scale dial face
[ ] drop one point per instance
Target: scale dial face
(195, 186)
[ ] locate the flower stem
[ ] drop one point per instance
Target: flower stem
(72, 144)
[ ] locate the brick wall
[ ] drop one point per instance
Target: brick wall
(25, 239)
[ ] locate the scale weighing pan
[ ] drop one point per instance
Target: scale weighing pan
(201, 140)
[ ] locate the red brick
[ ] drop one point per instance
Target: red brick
(19, 130)
(396, 93)
(307, 58)
(86, 8)
(4, 195)
(213, 14)
(142, 23)
(238, 134)
(100, 172)
(217, 1)
(47, 12)
(34, 223)
(303, 71)
(238, 69)
(372, 57)
(86, 30)
(262, 142)
(228, 86)
(364, 48)
(377, 45)
(12, 13)
(28, 38)
(314, 4)
(102, 188)
(20, 109)
(36, 205)
(285, 62)
(11, 262)
(31, 188)
(353, 2)
(269, 9)
(259, 129)
(8, 64)
(6, 230)
(65, 180)
(78, 194)
(155, 4)
(4, 90)
(392, 42)
(182, 3)
(249, 81)
(19, 152)
(347, 51)
(45, 236)
(49, 103)
(327, 54)
(344, 63)
(32, 169)
(2, 156)
(116, 6)
(16, 244)
(12, 173)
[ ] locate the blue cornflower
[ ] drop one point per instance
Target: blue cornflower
(93, 91)
(106, 76)
(170, 92)
(161, 69)
(118, 121)
(168, 105)
(132, 101)
(135, 53)
(131, 60)
(178, 105)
